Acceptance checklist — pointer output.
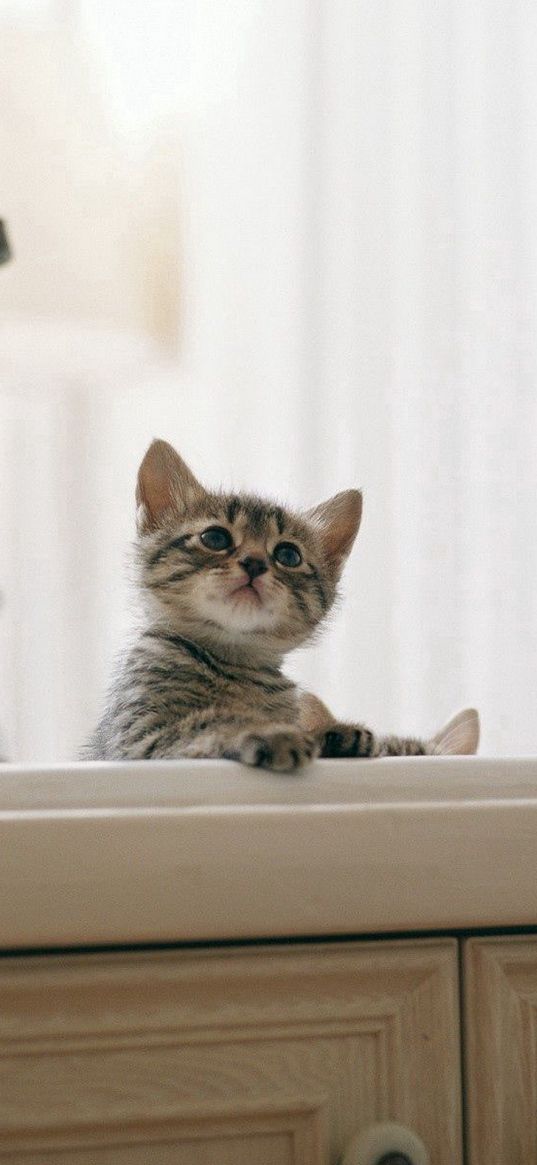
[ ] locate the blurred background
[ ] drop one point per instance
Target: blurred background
(297, 239)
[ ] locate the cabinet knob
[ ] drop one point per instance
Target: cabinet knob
(386, 1144)
(5, 252)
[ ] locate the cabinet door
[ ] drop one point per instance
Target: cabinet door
(268, 1055)
(501, 1050)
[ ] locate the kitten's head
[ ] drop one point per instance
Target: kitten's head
(232, 569)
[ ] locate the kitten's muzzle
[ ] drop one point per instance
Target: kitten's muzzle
(253, 567)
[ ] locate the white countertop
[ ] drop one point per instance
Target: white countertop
(176, 851)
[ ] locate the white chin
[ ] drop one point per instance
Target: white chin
(238, 614)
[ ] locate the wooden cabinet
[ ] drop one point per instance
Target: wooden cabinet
(269, 1055)
(500, 977)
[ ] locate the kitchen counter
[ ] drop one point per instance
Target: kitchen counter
(182, 851)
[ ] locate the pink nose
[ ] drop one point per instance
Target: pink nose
(253, 566)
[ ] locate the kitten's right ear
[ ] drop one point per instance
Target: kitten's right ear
(165, 486)
(337, 522)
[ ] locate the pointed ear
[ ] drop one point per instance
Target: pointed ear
(337, 522)
(165, 485)
(460, 737)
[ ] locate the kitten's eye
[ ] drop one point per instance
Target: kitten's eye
(287, 554)
(216, 538)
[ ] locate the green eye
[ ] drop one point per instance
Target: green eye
(216, 538)
(287, 554)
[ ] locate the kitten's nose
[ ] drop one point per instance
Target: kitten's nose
(253, 566)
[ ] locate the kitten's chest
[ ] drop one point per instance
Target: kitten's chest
(188, 681)
(259, 699)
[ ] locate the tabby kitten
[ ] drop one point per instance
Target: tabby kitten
(232, 583)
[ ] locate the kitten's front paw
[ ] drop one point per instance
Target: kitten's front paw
(282, 750)
(341, 740)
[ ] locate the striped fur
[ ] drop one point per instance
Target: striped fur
(204, 677)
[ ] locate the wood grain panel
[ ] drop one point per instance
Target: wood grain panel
(501, 1043)
(280, 1053)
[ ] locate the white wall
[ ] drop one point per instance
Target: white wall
(299, 241)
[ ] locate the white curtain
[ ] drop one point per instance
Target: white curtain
(298, 240)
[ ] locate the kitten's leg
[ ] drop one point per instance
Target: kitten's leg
(313, 715)
(263, 744)
(335, 738)
(338, 739)
(346, 740)
(279, 747)
(459, 737)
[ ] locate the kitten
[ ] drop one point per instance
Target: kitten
(232, 584)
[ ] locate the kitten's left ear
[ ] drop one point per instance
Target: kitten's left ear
(338, 522)
(165, 486)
